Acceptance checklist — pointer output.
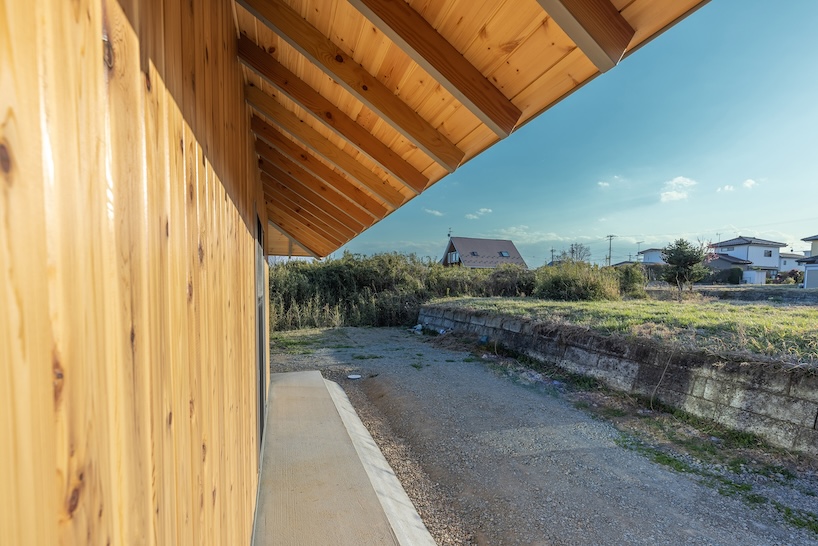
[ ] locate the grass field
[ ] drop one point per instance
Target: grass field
(784, 331)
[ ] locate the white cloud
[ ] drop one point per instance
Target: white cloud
(749, 183)
(726, 187)
(602, 184)
(676, 189)
(602, 220)
(672, 195)
(478, 214)
(433, 212)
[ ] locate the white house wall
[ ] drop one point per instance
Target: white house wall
(756, 255)
(811, 276)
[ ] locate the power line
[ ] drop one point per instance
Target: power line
(610, 242)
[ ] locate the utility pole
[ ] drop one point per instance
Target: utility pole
(610, 240)
(552, 255)
(637, 249)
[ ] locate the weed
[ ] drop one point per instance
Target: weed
(417, 365)
(450, 360)
(755, 499)
(470, 359)
(774, 471)
(582, 404)
(366, 357)
(799, 518)
(612, 412)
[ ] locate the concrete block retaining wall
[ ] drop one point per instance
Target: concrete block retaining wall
(777, 402)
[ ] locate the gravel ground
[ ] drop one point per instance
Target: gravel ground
(492, 457)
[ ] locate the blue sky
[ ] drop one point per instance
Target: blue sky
(708, 132)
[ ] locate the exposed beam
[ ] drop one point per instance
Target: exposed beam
(422, 43)
(318, 229)
(273, 140)
(327, 113)
(322, 190)
(300, 226)
(315, 142)
(286, 230)
(311, 202)
(596, 26)
(320, 50)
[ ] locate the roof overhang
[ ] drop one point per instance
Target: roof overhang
(358, 106)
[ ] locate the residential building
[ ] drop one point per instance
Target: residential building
(763, 254)
(810, 263)
(652, 256)
(481, 253)
(789, 261)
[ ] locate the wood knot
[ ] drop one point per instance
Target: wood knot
(365, 88)
(148, 81)
(339, 58)
(59, 375)
(189, 291)
(328, 115)
(201, 253)
(170, 418)
(107, 52)
(204, 452)
(73, 501)
(5, 159)
(271, 50)
(192, 407)
(133, 338)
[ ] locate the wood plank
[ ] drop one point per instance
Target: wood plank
(326, 55)
(315, 142)
(272, 140)
(289, 188)
(300, 230)
(596, 26)
(328, 195)
(297, 212)
(328, 114)
(422, 43)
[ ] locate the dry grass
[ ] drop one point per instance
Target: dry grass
(787, 332)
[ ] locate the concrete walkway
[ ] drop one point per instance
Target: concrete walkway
(323, 479)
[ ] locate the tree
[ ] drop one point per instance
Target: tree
(577, 253)
(684, 264)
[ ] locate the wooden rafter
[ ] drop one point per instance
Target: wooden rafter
(295, 234)
(596, 26)
(311, 200)
(297, 217)
(422, 43)
(327, 113)
(310, 42)
(289, 149)
(326, 196)
(315, 142)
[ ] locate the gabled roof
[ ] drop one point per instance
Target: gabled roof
(788, 255)
(808, 260)
(484, 253)
(813, 238)
(649, 250)
(739, 241)
(732, 259)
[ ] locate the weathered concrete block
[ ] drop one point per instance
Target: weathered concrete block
(512, 325)
(774, 431)
(494, 322)
(807, 441)
(580, 358)
(479, 320)
(699, 407)
(758, 376)
(781, 408)
(621, 373)
(697, 385)
(804, 386)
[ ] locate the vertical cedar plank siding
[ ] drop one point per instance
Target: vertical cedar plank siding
(128, 379)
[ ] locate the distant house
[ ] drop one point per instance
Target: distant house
(789, 261)
(810, 263)
(481, 253)
(652, 256)
(726, 261)
(763, 254)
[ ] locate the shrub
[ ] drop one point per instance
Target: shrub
(632, 281)
(510, 280)
(576, 281)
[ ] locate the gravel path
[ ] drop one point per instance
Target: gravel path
(488, 460)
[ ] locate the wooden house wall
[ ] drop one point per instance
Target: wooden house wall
(127, 218)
